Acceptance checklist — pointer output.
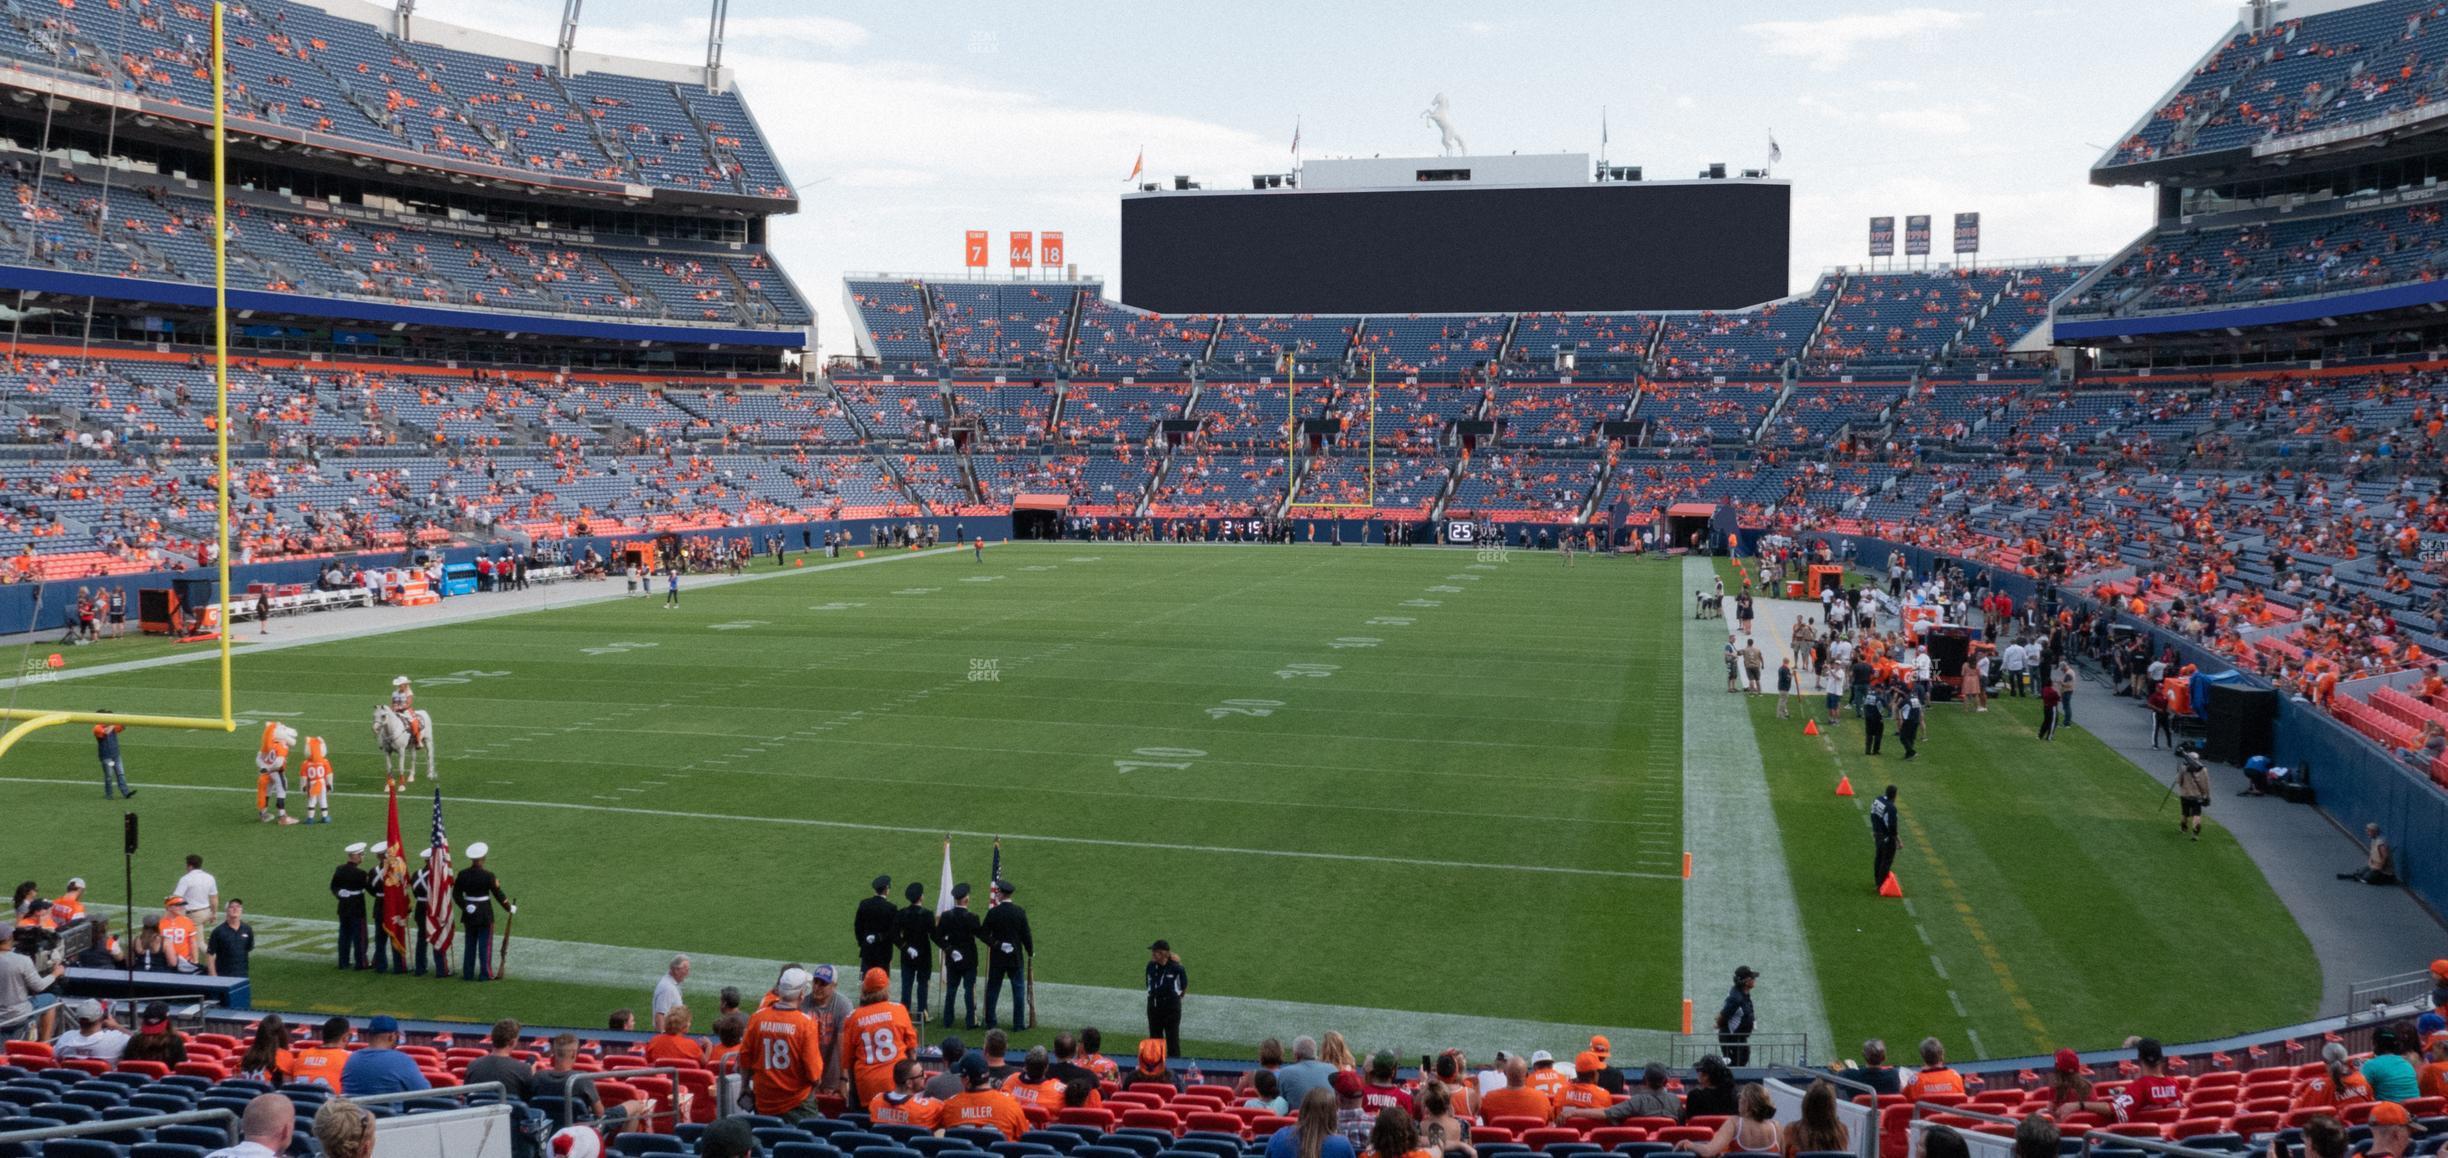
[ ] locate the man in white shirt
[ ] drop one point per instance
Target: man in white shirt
(265, 1129)
(198, 888)
(667, 987)
(2011, 658)
(96, 1036)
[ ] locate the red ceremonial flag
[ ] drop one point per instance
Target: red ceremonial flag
(395, 888)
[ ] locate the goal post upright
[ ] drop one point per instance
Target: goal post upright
(1292, 441)
(26, 720)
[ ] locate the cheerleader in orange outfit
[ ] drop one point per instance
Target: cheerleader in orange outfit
(316, 775)
(272, 773)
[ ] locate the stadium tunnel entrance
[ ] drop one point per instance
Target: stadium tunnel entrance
(1038, 516)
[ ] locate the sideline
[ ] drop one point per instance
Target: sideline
(1739, 907)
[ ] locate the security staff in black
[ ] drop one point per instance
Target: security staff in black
(956, 933)
(1167, 981)
(1735, 1018)
(914, 936)
(348, 886)
(873, 926)
(1883, 827)
(1007, 952)
(474, 890)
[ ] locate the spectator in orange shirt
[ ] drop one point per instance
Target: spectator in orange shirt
(783, 1051)
(1584, 1094)
(1935, 1078)
(729, 1030)
(179, 934)
(1516, 1099)
(2335, 1087)
(875, 1037)
(1034, 1085)
(906, 1104)
(322, 1062)
(1545, 1078)
(671, 1044)
(980, 1104)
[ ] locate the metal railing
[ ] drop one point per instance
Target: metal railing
(2103, 1140)
(226, 1119)
(1763, 1049)
(2379, 998)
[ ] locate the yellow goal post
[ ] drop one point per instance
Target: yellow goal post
(26, 720)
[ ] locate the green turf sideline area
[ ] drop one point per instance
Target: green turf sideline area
(2049, 900)
(1406, 781)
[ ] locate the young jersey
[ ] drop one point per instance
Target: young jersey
(878, 1036)
(783, 1058)
(898, 1109)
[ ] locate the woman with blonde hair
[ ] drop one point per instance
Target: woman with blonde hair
(1752, 1130)
(345, 1129)
(1336, 1052)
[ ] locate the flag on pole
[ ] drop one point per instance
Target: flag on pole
(943, 892)
(996, 873)
(438, 877)
(1296, 136)
(1138, 164)
(1774, 154)
(393, 870)
(1602, 130)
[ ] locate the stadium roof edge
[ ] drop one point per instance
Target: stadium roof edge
(442, 34)
(2106, 170)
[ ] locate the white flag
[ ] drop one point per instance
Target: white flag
(1774, 154)
(943, 892)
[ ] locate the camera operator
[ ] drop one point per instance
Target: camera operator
(26, 975)
(2192, 790)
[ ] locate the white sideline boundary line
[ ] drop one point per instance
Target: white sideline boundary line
(854, 826)
(1204, 1017)
(443, 617)
(1739, 906)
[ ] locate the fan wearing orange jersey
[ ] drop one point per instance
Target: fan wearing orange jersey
(782, 1053)
(272, 772)
(316, 775)
(1033, 1085)
(906, 1104)
(876, 1036)
(980, 1104)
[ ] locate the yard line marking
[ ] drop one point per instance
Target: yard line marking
(1213, 1017)
(853, 826)
(1940, 966)
(1925, 937)
(1978, 1050)
(1957, 1000)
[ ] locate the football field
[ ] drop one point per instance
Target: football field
(1426, 797)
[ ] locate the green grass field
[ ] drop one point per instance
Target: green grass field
(1417, 782)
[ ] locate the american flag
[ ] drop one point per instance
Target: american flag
(995, 873)
(438, 877)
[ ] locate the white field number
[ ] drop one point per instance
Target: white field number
(461, 677)
(736, 625)
(1423, 603)
(1244, 708)
(1391, 621)
(1177, 759)
(1350, 641)
(615, 648)
(1316, 671)
(834, 606)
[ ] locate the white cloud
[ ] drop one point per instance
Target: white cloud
(1831, 43)
(1685, 102)
(1893, 86)
(881, 178)
(1928, 121)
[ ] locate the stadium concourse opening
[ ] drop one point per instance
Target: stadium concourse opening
(1038, 516)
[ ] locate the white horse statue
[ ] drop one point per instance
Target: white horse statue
(1449, 138)
(400, 744)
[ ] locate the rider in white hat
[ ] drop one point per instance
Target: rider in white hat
(403, 697)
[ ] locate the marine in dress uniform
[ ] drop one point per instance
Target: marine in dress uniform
(1008, 948)
(914, 933)
(873, 928)
(474, 891)
(956, 933)
(348, 885)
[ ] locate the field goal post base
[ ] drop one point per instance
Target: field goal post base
(1289, 363)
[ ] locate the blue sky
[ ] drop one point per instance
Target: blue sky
(905, 124)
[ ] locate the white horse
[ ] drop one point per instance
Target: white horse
(1449, 138)
(400, 744)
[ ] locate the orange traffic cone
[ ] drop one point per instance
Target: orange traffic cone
(1889, 887)
(1844, 786)
(1810, 727)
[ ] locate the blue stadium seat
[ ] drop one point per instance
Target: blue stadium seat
(974, 1135)
(93, 1099)
(1215, 1146)
(827, 1127)
(182, 1081)
(883, 1152)
(1566, 1149)
(1084, 1133)
(1148, 1143)
(1022, 1150)
(201, 1137)
(166, 1150)
(640, 1144)
(1062, 1140)
(848, 1141)
(124, 1080)
(65, 1112)
(81, 1148)
(899, 1132)
(160, 1103)
(799, 1149)
(932, 1146)
(777, 1135)
(1100, 1150)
